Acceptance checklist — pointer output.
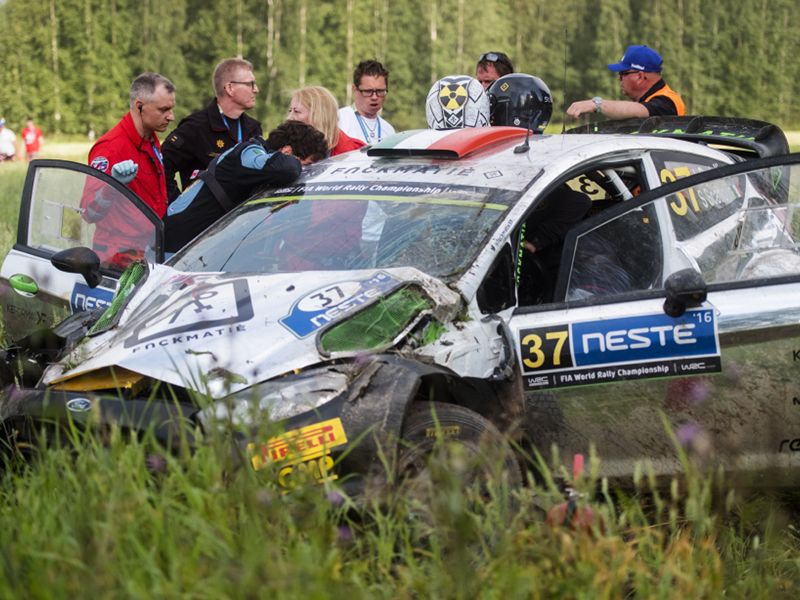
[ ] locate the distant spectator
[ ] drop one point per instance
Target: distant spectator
(32, 136)
(209, 132)
(639, 73)
(317, 106)
(362, 120)
(8, 143)
(491, 67)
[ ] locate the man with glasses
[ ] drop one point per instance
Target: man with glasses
(640, 79)
(491, 67)
(205, 134)
(362, 120)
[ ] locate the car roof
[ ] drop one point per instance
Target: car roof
(440, 157)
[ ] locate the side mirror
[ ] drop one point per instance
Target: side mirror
(685, 289)
(80, 260)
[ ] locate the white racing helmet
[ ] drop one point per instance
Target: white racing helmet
(457, 101)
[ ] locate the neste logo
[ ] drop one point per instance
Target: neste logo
(638, 337)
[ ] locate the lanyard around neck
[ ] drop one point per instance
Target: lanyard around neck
(239, 123)
(365, 130)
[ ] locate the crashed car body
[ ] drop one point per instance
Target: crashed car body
(341, 305)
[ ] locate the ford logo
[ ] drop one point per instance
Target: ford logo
(79, 404)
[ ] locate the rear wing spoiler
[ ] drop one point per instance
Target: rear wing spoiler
(747, 138)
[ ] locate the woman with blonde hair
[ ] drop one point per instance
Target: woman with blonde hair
(317, 106)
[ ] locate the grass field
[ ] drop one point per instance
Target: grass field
(122, 520)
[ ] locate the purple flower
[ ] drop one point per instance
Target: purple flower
(335, 498)
(345, 534)
(688, 432)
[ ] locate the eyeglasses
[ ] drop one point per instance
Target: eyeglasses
(380, 93)
(253, 85)
(623, 73)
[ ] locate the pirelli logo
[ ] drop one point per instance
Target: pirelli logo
(299, 445)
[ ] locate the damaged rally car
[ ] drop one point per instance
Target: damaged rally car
(416, 274)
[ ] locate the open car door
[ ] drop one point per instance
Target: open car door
(683, 302)
(67, 205)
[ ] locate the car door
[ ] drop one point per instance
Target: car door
(66, 205)
(723, 376)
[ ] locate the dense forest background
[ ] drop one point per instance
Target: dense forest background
(69, 63)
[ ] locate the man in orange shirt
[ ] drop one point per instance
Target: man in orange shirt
(640, 79)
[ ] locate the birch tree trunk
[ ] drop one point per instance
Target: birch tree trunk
(349, 41)
(273, 45)
(56, 75)
(433, 34)
(301, 62)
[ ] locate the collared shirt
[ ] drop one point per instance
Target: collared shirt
(200, 138)
(123, 142)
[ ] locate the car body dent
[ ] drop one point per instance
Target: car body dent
(185, 326)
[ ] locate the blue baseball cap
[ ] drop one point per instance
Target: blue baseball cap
(638, 58)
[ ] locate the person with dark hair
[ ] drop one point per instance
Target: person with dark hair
(362, 120)
(491, 67)
(639, 72)
(235, 174)
(208, 132)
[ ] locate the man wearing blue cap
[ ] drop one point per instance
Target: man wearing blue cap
(639, 73)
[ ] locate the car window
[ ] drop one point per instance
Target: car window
(438, 229)
(744, 226)
(621, 255)
(70, 208)
(689, 214)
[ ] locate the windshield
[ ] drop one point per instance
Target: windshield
(436, 228)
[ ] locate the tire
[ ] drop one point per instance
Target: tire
(428, 424)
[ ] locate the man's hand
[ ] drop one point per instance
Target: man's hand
(124, 171)
(576, 109)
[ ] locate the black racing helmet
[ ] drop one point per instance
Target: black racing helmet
(520, 100)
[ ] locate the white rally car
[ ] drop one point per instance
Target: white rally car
(388, 279)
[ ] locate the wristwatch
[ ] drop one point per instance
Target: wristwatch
(598, 104)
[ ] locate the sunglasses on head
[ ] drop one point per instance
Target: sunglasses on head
(493, 57)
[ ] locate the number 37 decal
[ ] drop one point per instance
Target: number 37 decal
(684, 200)
(545, 349)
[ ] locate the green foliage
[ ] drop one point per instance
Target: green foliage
(121, 518)
(69, 63)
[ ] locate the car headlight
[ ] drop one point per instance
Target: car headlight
(278, 399)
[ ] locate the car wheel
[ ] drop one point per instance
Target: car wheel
(484, 453)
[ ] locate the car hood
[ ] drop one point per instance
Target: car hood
(220, 332)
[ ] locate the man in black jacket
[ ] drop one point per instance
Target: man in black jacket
(207, 133)
(233, 176)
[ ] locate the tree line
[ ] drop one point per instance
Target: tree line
(68, 63)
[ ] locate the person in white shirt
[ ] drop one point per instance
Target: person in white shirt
(8, 143)
(362, 120)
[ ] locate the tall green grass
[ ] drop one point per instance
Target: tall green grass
(118, 519)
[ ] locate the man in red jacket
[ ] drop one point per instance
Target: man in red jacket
(131, 153)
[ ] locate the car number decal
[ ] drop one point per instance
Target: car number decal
(640, 347)
(327, 304)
